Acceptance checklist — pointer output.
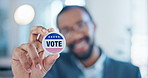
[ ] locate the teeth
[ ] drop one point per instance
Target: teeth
(80, 44)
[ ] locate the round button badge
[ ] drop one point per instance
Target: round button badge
(53, 43)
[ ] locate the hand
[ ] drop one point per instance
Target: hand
(28, 60)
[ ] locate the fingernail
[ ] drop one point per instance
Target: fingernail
(38, 66)
(29, 70)
(51, 29)
(55, 56)
(44, 31)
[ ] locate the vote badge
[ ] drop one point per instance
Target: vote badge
(53, 43)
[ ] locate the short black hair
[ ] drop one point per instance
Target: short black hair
(66, 8)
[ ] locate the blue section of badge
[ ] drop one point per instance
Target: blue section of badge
(53, 36)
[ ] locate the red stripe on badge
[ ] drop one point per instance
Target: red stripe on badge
(54, 50)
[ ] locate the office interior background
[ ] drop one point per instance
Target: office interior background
(122, 27)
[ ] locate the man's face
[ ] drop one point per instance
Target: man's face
(78, 31)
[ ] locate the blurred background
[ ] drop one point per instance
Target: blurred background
(122, 27)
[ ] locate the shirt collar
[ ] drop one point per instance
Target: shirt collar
(98, 65)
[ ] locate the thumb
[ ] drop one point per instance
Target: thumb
(49, 61)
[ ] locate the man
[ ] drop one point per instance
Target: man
(83, 60)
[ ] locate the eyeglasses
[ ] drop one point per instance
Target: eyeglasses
(79, 27)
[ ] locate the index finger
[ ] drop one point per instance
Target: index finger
(35, 31)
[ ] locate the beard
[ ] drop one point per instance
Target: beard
(86, 55)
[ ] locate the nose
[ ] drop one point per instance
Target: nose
(73, 36)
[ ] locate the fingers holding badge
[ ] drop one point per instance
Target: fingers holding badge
(36, 35)
(28, 60)
(52, 42)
